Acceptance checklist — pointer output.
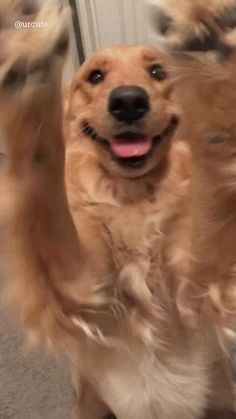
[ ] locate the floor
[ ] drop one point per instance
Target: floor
(32, 386)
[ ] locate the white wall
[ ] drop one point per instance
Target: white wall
(107, 22)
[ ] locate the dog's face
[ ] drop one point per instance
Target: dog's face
(121, 104)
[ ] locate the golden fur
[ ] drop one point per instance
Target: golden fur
(205, 79)
(100, 260)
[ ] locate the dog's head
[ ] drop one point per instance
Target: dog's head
(121, 103)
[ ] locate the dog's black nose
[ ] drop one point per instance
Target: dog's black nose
(128, 103)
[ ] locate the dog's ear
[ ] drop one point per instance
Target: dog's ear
(70, 96)
(73, 104)
(66, 98)
(66, 110)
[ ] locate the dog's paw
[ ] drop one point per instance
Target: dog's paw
(34, 41)
(195, 26)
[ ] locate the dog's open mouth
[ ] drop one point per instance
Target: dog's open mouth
(130, 145)
(129, 149)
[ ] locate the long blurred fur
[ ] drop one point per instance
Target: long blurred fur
(98, 258)
(201, 44)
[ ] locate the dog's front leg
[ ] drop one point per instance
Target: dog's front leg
(43, 249)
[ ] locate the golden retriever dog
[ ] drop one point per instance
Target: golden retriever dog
(98, 238)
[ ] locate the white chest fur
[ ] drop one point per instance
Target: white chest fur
(138, 385)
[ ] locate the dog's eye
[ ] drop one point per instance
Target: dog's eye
(96, 76)
(158, 72)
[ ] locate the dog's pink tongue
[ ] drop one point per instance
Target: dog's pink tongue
(125, 147)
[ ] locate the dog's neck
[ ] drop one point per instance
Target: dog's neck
(126, 191)
(97, 186)
(89, 181)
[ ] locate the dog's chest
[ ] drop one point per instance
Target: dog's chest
(139, 385)
(131, 236)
